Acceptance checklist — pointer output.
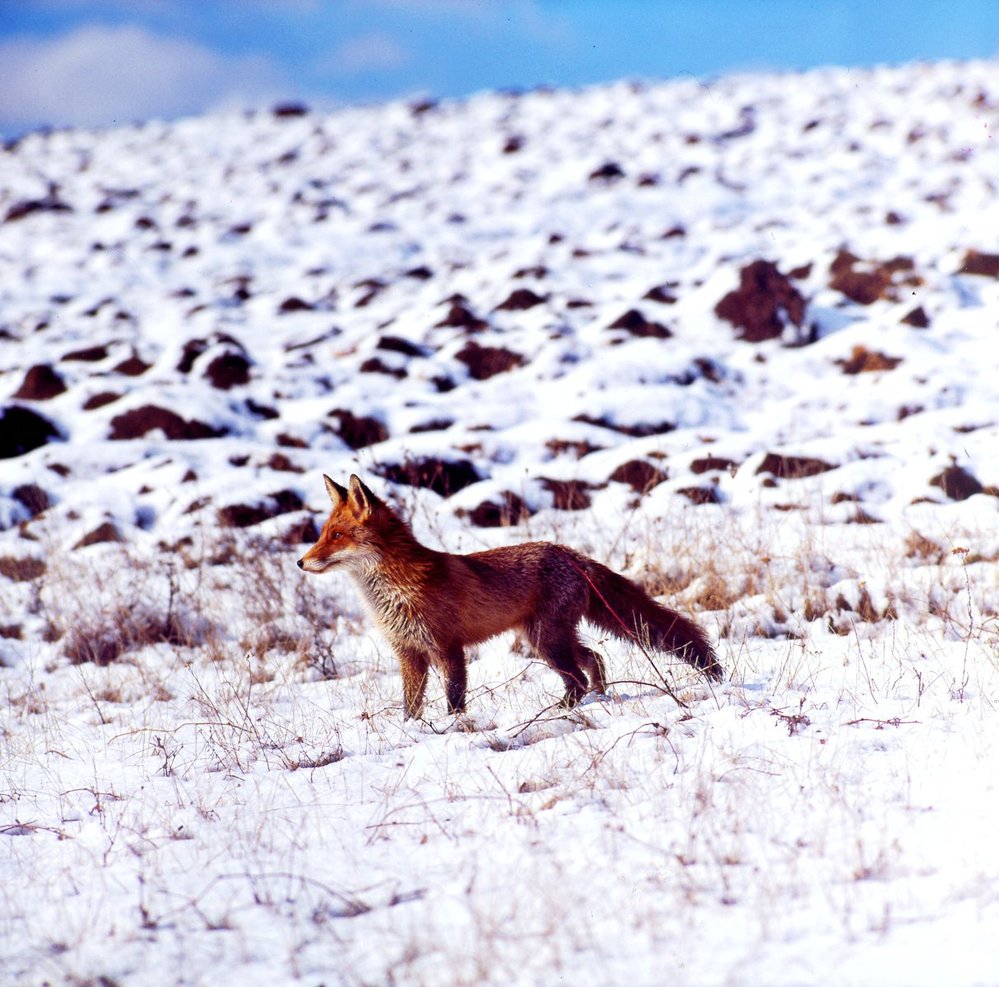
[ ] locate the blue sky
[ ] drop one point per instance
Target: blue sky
(101, 62)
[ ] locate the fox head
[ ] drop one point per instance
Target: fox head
(350, 536)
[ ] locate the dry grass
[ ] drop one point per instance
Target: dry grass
(226, 599)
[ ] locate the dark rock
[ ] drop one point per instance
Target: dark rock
(708, 464)
(90, 354)
(27, 207)
(264, 411)
(917, 318)
(247, 515)
(763, 304)
(701, 495)
(520, 300)
(395, 344)
(661, 294)
(22, 430)
(792, 467)
(511, 510)
(40, 383)
(358, 431)
(32, 497)
(242, 515)
(957, 483)
(99, 400)
(375, 366)
(193, 348)
(292, 108)
(982, 264)
(373, 287)
(21, 569)
(866, 283)
(133, 366)
(576, 447)
(639, 431)
(434, 425)
(636, 324)
(484, 362)
(140, 421)
(280, 463)
(294, 304)
(442, 476)
(569, 495)
(420, 107)
(460, 316)
(304, 532)
(640, 475)
(537, 271)
(227, 370)
(862, 360)
(106, 532)
(607, 173)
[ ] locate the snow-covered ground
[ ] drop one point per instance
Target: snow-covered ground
(736, 339)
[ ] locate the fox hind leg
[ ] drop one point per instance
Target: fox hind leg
(561, 652)
(456, 677)
(593, 664)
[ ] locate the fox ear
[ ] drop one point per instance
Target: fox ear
(361, 497)
(337, 493)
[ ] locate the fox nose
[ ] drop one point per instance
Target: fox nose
(300, 564)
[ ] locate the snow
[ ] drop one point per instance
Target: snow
(205, 776)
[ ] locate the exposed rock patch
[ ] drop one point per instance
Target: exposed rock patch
(862, 360)
(763, 304)
(247, 515)
(640, 475)
(106, 532)
(358, 431)
(41, 383)
(484, 362)
(569, 495)
(867, 282)
(634, 323)
(138, 422)
(957, 483)
(792, 467)
(983, 264)
(510, 510)
(22, 430)
(444, 477)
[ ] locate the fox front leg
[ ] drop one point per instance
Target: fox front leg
(415, 666)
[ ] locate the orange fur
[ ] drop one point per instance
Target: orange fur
(431, 605)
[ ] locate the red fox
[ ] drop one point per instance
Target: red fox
(431, 605)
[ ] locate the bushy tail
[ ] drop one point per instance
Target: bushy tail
(624, 609)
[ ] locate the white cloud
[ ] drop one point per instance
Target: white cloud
(99, 75)
(374, 52)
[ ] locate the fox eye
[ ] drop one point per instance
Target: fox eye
(336, 536)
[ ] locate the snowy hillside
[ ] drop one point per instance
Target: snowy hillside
(736, 339)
